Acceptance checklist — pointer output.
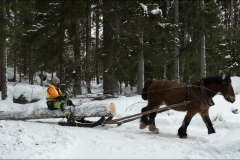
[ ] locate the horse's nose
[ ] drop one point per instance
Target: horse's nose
(232, 99)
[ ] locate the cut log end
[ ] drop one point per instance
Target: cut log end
(112, 109)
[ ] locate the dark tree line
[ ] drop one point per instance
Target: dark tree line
(120, 41)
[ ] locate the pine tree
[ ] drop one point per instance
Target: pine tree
(3, 63)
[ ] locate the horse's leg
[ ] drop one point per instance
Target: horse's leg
(206, 119)
(149, 119)
(144, 121)
(152, 127)
(182, 131)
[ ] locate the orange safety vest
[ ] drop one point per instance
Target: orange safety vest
(54, 94)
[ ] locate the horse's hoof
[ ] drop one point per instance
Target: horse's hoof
(156, 131)
(211, 132)
(142, 125)
(182, 135)
(153, 129)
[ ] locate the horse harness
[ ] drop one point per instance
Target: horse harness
(204, 94)
(188, 89)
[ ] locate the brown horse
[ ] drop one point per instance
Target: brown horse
(199, 95)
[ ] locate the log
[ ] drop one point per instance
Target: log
(95, 110)
(82, 111)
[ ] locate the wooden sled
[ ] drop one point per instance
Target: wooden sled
(82, 122)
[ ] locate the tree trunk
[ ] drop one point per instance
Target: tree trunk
(233, 35)
(41, 82)
(165, 65)
(1, 46)
(3, 60)
(176, 44)
(15, 50)
(15, 66)
(97, 46)
(83, 111)
(116, 42)
(108, 84)
(202, 43)
(77, 76)
(20, 62)
(88, 48)
(203, 56)
(140, 78)
(61, 72)
(25, 58)
(31, 64)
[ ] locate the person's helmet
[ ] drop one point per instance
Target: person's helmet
(55, 79)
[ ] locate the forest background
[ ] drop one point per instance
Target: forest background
(117, 41)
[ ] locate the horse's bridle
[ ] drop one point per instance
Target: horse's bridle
(223, 88)
(204, 93)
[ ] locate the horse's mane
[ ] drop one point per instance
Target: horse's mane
(211, 79)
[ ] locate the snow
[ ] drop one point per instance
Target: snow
(144, 7)
(30, 92)
(44, 139)
(163, 25)
(156, 11)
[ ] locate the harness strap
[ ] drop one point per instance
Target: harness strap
(204, 93)
(197, 99)
(58, 90)
(188, 87)
(163, 81)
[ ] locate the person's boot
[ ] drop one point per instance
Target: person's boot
(68, 115)
(71, 103)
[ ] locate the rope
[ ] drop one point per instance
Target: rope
(136, 116)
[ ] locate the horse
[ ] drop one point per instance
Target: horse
(198, 94)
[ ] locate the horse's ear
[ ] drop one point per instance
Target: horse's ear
(226, 77)
(223, 76)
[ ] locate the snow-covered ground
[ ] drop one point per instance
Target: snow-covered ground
(45, 139)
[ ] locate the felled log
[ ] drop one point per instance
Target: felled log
(82, 111)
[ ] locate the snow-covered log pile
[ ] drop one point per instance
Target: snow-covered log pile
(84, 110)
(23, 94)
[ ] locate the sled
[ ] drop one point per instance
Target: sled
(83, 123)
(103, 121)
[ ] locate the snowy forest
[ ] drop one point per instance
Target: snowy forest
(117, 41)
(103, 52)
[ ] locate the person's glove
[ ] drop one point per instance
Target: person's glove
(65, 97)
(60, 97)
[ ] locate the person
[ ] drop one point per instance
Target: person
(57, 100)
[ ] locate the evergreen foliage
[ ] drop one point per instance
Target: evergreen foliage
(51, 36)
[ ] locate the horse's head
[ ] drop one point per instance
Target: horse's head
(227, 89)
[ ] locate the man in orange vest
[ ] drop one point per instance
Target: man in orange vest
(57, 100)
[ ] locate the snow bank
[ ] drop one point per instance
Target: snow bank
(30, 92)
(236, 84)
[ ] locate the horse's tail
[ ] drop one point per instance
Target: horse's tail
(144, 90)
